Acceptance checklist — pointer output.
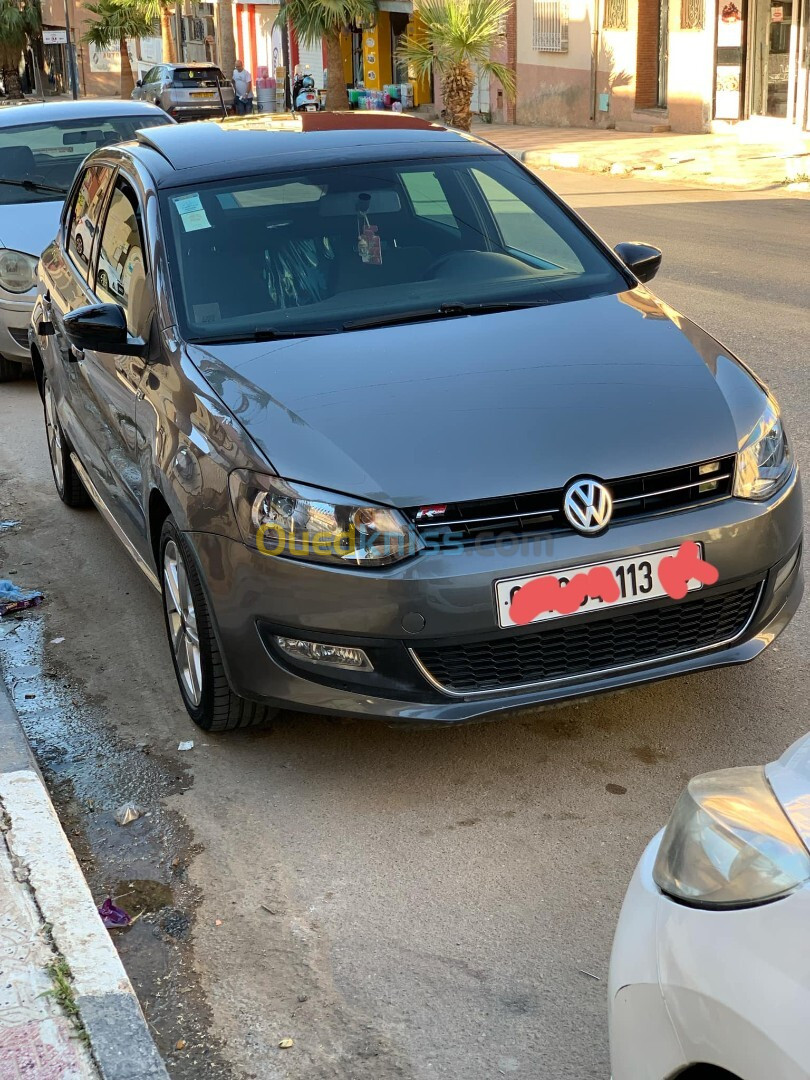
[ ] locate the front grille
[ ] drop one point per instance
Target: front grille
(20, 335)
(572, 647)
(541, 512)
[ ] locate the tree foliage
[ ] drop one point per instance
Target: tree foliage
(314, 20)
(117, 20)
(456, 38)
(19, 21)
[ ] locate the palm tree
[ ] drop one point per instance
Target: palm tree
(19, 19)
(457, 37)
(314, 20)
(117, 20)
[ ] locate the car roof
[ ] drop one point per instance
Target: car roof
(208, 150)
(46, 112)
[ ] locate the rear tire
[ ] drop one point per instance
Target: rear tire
(68, 485)
(204, 687)
(10, 370)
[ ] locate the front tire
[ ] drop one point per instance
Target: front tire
(204, 687)
(68, 485)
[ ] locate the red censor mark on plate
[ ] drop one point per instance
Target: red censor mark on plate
(546, 594)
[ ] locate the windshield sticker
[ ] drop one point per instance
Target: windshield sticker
(191, 212)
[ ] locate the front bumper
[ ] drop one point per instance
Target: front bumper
(725, 988)
(447, 597)
(15, 316)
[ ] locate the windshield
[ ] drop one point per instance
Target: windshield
(189, 77)
(50, 154)
(372, 244)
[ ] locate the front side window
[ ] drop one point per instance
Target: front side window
(85, 214)
(120, 273)
(325, 249)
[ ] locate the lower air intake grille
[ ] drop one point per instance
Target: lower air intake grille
(572, 647)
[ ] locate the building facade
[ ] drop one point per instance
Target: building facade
(688, 65)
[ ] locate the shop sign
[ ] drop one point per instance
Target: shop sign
(54, 37)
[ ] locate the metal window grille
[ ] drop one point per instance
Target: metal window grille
(550, 26)
(616, 14)
(692, 14)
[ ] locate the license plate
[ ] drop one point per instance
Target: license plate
(199, 93)
(637, 579)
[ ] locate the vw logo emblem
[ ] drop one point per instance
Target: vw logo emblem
(588, 506)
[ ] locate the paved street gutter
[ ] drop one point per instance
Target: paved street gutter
(45, 867)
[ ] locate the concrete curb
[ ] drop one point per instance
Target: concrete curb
(120, 1042)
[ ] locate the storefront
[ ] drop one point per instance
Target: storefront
(761, 60)
(371, 67)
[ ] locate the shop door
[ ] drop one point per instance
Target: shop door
(663, 52)
(774, 58)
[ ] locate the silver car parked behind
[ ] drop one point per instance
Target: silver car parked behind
(187, 91)
(395, 434)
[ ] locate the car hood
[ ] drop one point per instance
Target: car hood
(29, 227)
(790, 779)
(486, 405)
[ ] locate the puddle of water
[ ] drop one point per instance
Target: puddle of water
(143, 866)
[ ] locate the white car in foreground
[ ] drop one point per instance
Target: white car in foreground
(710, 972)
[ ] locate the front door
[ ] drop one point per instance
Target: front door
(663, 52)
(773, 56)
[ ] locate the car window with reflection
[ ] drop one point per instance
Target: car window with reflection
(320, 250)
(120, 272)
(85, 212)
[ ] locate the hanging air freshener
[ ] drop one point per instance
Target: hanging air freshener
(369, 247)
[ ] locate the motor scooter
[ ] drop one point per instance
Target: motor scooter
(305, 96)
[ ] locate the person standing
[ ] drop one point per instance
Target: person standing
(243, 89)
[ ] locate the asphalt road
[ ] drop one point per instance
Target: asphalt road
(443, 901)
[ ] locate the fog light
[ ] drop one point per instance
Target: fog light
(317, 652)
(786, 571)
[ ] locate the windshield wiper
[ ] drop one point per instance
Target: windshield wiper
(443, 311)
(262, 333)
(32, 185)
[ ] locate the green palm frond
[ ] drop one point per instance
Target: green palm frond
(314, 19)
(116, 20)
(17, 22)
(455, 32)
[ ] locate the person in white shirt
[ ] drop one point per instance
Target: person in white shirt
(243, 89)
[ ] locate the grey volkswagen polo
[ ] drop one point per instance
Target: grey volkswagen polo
(395, 434)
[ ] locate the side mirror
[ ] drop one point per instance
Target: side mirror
(139, 82)
(643, 259)
(102, 328)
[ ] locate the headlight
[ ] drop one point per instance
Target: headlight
(18, 272)
(278, 517)
(764, 462)
(729, 843)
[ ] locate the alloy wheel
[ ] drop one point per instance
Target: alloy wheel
(183, 634)
(54, 439)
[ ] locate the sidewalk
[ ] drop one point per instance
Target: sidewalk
(67, 1008)
(750, 158)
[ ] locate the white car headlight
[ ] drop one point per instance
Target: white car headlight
(18, 271)
(764, 462)
(279, 517)
(730, 844)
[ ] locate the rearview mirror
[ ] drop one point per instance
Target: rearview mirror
(643, 259)
(102, 328)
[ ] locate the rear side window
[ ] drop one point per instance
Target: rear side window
(428, 198)
(85, 214)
